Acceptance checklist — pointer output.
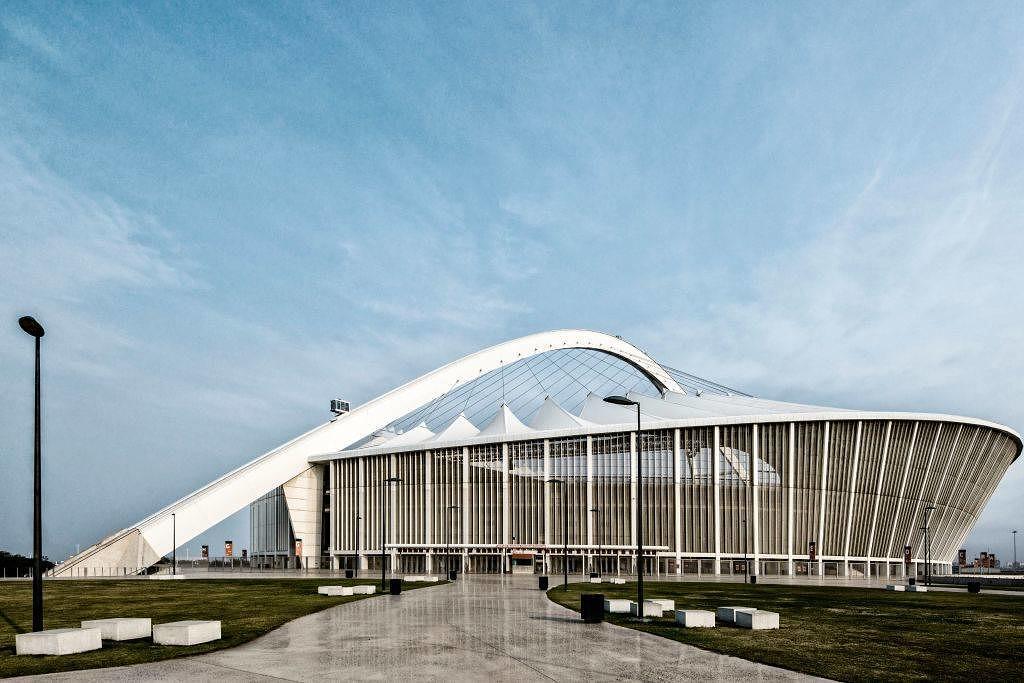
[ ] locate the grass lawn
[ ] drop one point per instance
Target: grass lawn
(851, 634)
(247, 608)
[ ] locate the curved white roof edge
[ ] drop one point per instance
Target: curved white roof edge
(146, 541)
(837, 415)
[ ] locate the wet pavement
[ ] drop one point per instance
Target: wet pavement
(481, 628)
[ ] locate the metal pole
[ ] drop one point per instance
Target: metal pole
(746, 565)
(1014, 548)
(565, 537)
(174, 544)
(355, 572)
(37, 510)
(639, 519)
(383, 531)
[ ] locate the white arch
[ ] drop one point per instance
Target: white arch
(145, 542)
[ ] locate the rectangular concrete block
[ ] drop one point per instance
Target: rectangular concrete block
(58, 641)
(364, 590)
(895, 587)
(758, 620)
(917, 589)
(666, 604)
(651, 609)
(334, 590)
(695, 618)
(191, 632)
(595, 579)
(728, 614)
(128, 628)
(619, 582)
(617, 605)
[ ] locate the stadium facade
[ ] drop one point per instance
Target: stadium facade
(509, 458)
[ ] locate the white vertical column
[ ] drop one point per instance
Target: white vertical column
(464, 509)
(849, 509)
(505, 506)
(392, 493)
(361, 522)
(716, 470)
(789, 497)
(878, 495)
(755, 468)
(821, 513)
(332, 501)
(677, 502)
(632, 486)
(428, 502)
(547, 502)
(924, 482)
(590, 498)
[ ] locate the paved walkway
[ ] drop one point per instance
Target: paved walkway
(478, 629)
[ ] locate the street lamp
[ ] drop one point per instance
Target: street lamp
(34, 329)
(1014, 548)
(386, 494)
(746, 563)
(927, 547)
(174, 544)
(623, 401)
(359, 519)
(597, 514)
(565, 536)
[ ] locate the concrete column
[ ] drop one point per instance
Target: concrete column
(428, 516)
(821, 513)
(676, 496)
(632, 491)
(878, 494)
(304, 497)
(849, 510)
(716, 469)
(789, 497)
(392, 494)
(465, 511)
(505, 507)
(361, 522)
(755, 479)
(590, 499)
(889, 549)
(547, 497)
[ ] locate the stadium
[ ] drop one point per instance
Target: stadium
(510, 459)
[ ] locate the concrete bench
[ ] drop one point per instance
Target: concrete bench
(616, 605)
(895, 587)
(595, 580)
(334, 591)
(666, 604)
(186, 632)
(364, 590)
(128, 628)
(58, 641)
(422, 579)
(917, 589)
(618, 582)
(728, 614)
(651, 608)
(757, 620)
(695, 618)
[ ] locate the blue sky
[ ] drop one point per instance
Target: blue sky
(227, 214)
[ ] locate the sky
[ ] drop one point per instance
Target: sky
(226, 214)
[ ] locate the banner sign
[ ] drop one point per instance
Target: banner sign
(961, 557)
(229, 549)
(812, 550)
(206, 552)
(298, 547)
(906, 557)
(245, 553)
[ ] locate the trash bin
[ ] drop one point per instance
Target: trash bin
(753, 578)
(592, 607)
(350, 574)
(974, 586)
(911, 581)
(594, 575)
(452, 575)
(396, 586)
(542, 583)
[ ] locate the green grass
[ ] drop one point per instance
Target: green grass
(852, 634)
(247, 608)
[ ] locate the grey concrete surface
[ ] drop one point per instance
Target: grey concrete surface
(481, 628)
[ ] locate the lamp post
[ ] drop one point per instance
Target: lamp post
(623, 401)
(174, 544)
(565, 531)
(1014, 548)
(386, 494)
(34, 329)
(597, 514)
(927, 547)
(359, 519)
(746, 563)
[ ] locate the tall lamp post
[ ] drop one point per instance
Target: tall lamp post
(746, 563)
(386, 494)
(927, 547)
(1014, 548)
(597, 514)
(174, 544)
(623, 401)
(34, 329)
(565, 530)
